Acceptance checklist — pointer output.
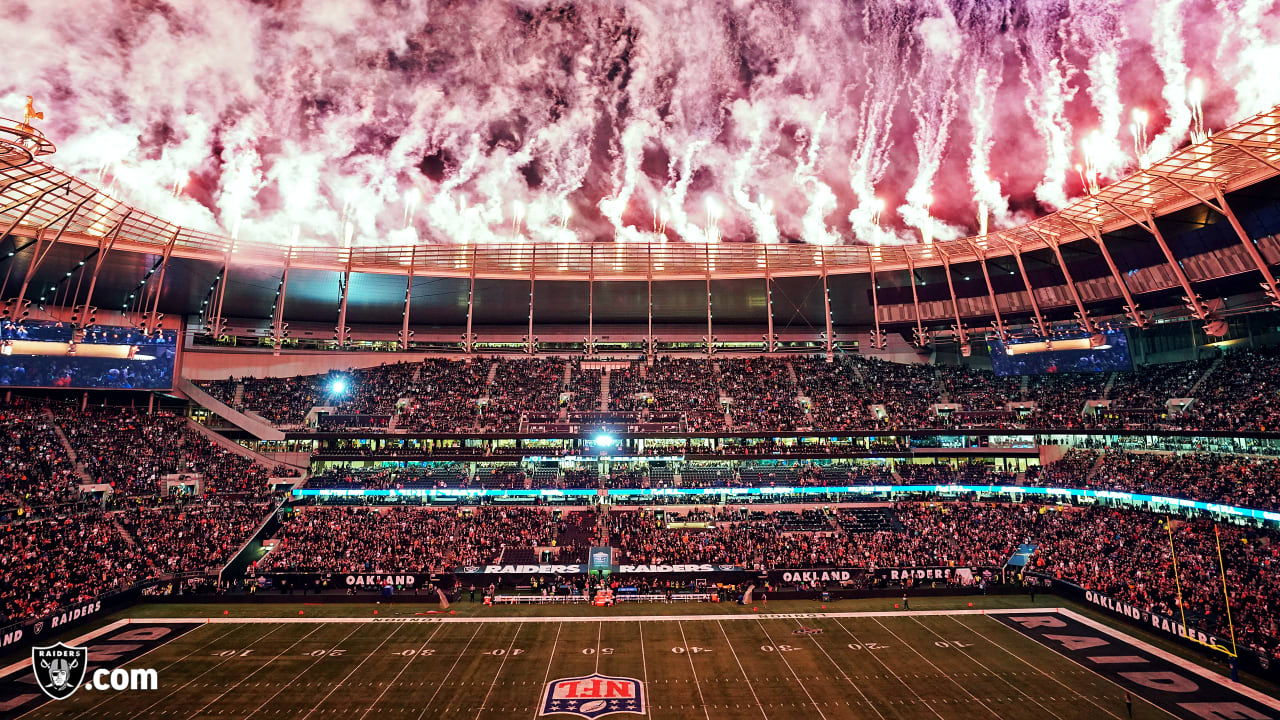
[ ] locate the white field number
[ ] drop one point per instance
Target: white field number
(952, 644)
(867, 646)
(123, 679)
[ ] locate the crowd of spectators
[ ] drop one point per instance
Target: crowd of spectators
(36, 476)
(779, 393)
(398, 539)
(133, 452)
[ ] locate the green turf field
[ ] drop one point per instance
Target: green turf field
(694, 661)
(895, 667)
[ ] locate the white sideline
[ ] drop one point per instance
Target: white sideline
(597, 618)
(1181, 662)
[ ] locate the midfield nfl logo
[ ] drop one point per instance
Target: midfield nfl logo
(593, 696)
(59, 669)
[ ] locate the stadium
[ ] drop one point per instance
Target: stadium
(502, 359)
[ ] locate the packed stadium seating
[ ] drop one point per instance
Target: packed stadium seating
(782, 393)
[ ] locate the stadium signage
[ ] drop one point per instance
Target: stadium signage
(1155, 621)
(381, 580)
(826, 575)
(34, 628)
(593, 696)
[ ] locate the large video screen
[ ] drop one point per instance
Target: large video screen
(55, 355)
(1112, 354)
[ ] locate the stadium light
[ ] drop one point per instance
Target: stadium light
(604, 440)
(338, 387)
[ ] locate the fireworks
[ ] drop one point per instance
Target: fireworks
(505, 122)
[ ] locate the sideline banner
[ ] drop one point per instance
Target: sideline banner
(1163, 625)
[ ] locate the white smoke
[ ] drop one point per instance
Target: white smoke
(593, 120)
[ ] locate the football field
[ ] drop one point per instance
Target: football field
(817, 666)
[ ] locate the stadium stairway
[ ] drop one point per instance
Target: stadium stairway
(1111, 381)
(604, 389)
(1213, 367)
(71, 451)
(239, 449)
(124, 534)
(258, 428)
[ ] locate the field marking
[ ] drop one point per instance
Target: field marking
(353, 670)
(452, 667)
(1024, 661)
(286, 686)
(1189, 666)
(697, 684)
(783, 656)
(920, 655)
(205, 672)
(991, 672)
(546, 676)
(742, 670)
(26, 662)
(502, 664)
(396, 679)
(599, 630)
(255, 672)
(644, 664)
(837, 666)
(607, 618)
(885, 665)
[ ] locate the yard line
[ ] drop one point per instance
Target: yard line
(697, 684)
(836, 665)
(546, 676)
(979, 663)
(599, 629)
(396, 679)
(786, 662)
(353, 670)
(743, 671)
(285, 686)
(255, 672)
(935, 667)
(644, 665)
(1036, 668)
(446, 675)
(886, 667)
(144, 710)
(103, 701)
(498, 674)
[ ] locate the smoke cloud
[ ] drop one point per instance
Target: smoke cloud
(511, 120)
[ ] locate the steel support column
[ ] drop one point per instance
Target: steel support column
(151, 320)
(1131, 308)
(711, 345)
(533, 264)
(915, 302)
(998, 324)
(39, 257)
(1026, 282)
(769, 344)
(341, 331)
(277, 322)
(1085, 323)
(1148, 222)
(591, 303)
(1269, 280)
(469, 338)
(961, 336)
(650, 351)
(105, 244)
(826, 302)
(408, 297)
(219, 322)
(877, 335)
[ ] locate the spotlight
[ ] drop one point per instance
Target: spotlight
(338, 387)
(604, 440)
